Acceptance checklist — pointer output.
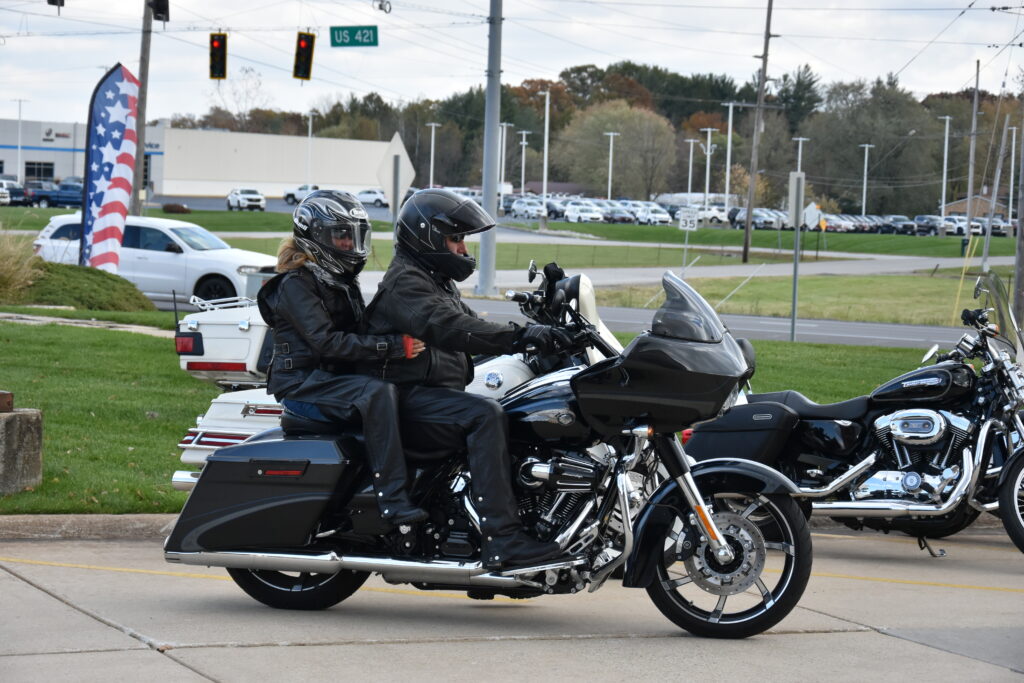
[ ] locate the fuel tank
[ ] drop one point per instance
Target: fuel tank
(544, 411)
(941, 384)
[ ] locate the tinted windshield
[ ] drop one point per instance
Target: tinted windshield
(685, 314)
(991, 293)
(199, 239)
(249, 191)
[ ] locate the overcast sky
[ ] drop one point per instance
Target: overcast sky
(432, 48)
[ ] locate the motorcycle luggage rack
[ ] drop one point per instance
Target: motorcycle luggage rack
(217, 304)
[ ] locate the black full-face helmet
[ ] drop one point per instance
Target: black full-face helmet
(428, 217)
(332, 228)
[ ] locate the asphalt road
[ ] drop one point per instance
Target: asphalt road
(876, 608)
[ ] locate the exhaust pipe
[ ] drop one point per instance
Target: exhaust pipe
(392, 570)
(184, 480)
(839, 482)
(896, 508)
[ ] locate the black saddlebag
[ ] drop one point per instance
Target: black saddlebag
(756, 431)
(267, 493)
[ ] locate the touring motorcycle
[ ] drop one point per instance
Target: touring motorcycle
(924, 453)
(721, 547)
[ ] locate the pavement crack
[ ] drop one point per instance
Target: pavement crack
(127, 630)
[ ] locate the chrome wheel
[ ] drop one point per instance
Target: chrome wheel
(751, 593)
(1011, 503)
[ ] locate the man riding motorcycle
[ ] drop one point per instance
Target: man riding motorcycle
(418, 297)
(316, 309)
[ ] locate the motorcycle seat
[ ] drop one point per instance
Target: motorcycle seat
(854, 409)
(293, 424)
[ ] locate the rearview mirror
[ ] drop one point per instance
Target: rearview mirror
(978, 289)
(532, 271)
(929, 353)
(173, 248)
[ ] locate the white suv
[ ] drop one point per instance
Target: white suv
(375, 197)
(161, 256)
(297, 195)
(577, 211)
(652, 214)
(246, 199)
(527, 208)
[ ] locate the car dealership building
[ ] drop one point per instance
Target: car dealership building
(204, 163)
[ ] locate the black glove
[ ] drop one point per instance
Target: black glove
(542, 338)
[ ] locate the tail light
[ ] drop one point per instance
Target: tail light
(205, 365)
(200, 439)
(686, 435)
(189, 343)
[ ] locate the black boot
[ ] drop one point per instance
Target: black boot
(392, 499)
(517, 550)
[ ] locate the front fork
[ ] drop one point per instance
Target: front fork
(678, 466)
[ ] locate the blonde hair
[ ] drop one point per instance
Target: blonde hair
(289, 256)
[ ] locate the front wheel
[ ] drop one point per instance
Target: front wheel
(215, 287)
(772, 546)
(44, 203)
(1011, 503)
(293, 590)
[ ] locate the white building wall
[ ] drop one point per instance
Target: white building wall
(210, 163)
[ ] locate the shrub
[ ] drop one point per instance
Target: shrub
(176, 208)
(19, 268)
(83, 287)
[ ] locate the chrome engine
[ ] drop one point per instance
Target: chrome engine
(921, 448)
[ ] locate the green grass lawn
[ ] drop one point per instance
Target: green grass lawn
(514, 256)
(116, 404)
(160, 319)
(911, 299)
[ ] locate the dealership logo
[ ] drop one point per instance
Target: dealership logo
(49, 135)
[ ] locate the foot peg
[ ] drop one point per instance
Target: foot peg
(564, 563)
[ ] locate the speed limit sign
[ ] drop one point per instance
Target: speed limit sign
(687, 216)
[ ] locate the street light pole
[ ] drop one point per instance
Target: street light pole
(544, 179)
(522, 163)
(1013, 161)
(20, 174)
(800, 152)
(611, 155)
(433, 129)
(728, 156)
(501, 156)
(689, 173)
(708, 151)
(309, 150)
(945, 163)
(864, 187)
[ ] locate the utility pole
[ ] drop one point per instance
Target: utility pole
(708, 151)
(1013, 161)
(611, 155)
(974, 137)
(689, 173)
(544, 180)
(522, 163)
(762, 77)
(492, 105)
(728, 156)
(433, 129)
(992, 196)
(945, 163)
(140, 116)
(20, 172)
(309, 151)
(1018, 269)
(501, 172)
(800, 152)
(864, 187)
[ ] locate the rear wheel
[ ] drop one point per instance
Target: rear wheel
(44, 203)
(1011, 503)
(229, 206)
(293, 590)
(215, 287)
(772, 546)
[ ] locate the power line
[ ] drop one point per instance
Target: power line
(918, 54)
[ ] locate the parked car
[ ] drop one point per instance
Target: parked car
(583, 212)
(760, 219)
(246, 198)
(161, 256)
(556, 209)
(298, 194)
(33, 186)
(616, 213)
(928, 224)
(713, 213)
(375, 197)
(961, 225)
(998, 226)
(5, 197)
(527, 208)
(15, 192)
(898, 224)
(652, 214)
(65, 194)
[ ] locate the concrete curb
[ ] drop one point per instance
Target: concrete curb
(153, 527)
(93, 527)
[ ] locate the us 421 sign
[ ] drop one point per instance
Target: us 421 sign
(353, 36)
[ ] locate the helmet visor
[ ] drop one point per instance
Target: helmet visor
(465, 219)
(345, 239)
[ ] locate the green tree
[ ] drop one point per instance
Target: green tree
(799, 94)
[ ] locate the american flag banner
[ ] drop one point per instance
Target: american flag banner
(109, 168)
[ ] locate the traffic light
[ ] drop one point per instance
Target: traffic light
(303, 56)
(161, 11)
(219, 55)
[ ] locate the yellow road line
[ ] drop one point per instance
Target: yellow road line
(217, 577)
(937, 584)
(912, 541)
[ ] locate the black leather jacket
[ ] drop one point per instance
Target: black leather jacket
(427, 306)
(317, 327)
